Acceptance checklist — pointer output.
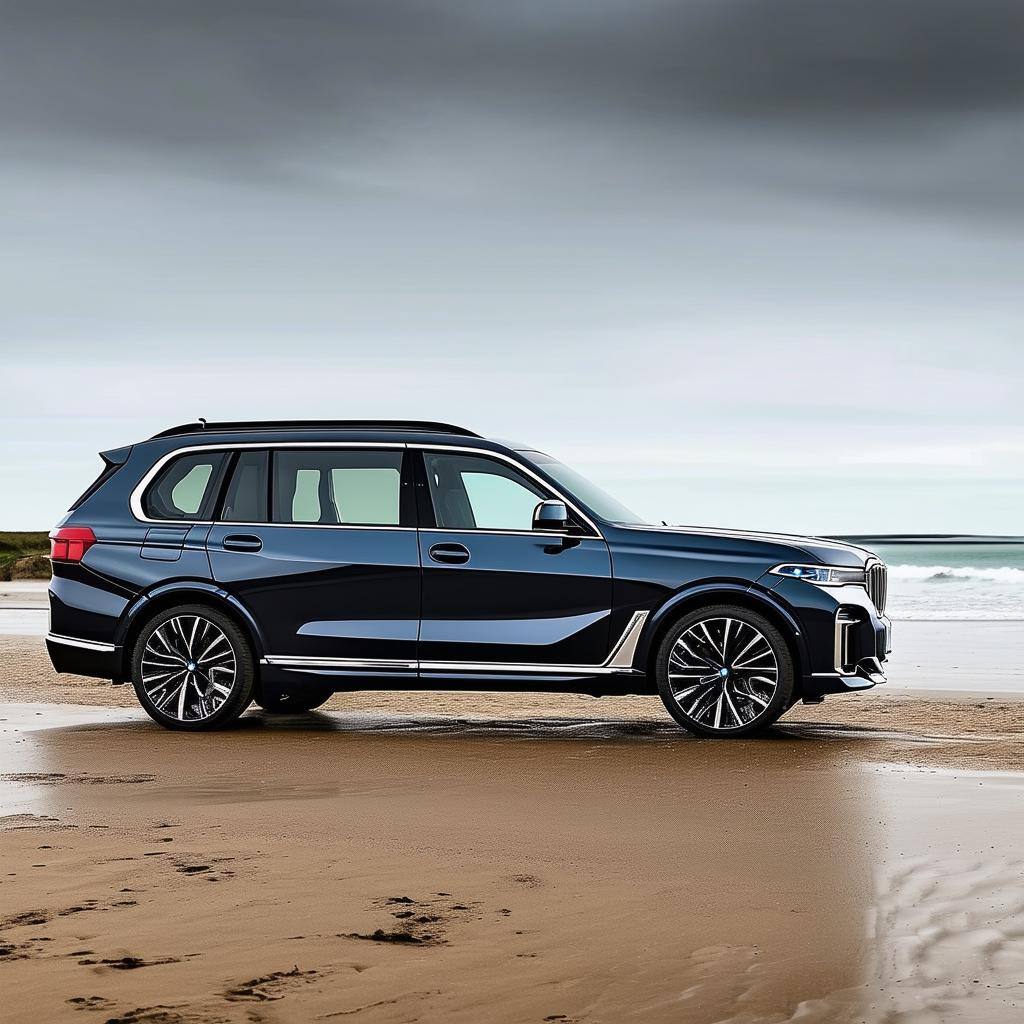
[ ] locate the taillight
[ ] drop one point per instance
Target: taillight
(70, 543)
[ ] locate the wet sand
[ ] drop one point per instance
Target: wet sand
(489, 857)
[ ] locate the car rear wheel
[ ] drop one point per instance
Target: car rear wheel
(193, 669)
(290, 702)
(725, 671)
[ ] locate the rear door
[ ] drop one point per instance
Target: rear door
(497, 595)
(319, 543)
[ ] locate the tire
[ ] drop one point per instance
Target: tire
(290, 702)
(218, 687)
(725, 671)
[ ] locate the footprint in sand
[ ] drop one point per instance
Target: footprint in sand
(130, 963)
(420, 922)
(268, 987)
(90, 1003)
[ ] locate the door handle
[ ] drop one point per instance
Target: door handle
(449, 554)
(242, 542)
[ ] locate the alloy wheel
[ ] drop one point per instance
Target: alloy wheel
(188, 668)
(723, 673)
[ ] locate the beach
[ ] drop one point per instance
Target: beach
(528, 865)
(518, 857)
(511, 345)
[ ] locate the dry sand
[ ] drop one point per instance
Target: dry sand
(487, 857)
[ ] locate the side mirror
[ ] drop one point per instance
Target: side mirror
(551, 515)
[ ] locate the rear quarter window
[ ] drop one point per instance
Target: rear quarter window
(186, 488)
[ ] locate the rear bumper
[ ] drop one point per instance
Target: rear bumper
(85, 610)
(83, 657)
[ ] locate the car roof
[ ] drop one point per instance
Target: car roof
(271, 432)
(264, 426)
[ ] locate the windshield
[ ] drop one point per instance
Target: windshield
(590, 494)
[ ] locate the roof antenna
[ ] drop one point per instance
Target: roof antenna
(202, 419)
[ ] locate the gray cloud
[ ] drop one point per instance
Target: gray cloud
(903, 103)
(754, 227)
(232, 75)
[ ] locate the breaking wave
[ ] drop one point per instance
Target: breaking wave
(999, 574)
(956, 592)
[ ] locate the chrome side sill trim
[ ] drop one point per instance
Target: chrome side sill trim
(498, 668)
(295, 661)
(517, 668)
(87, 645)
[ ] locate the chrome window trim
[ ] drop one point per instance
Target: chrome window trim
(307, 526)
(536, 534)
(135, 501)
(87, 645)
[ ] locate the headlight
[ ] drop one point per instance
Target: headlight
(826, 575)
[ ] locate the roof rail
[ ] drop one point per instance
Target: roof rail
(425, 426)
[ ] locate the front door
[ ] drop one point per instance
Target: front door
(499, 597)
(319, 544)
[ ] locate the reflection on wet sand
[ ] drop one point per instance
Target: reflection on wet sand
(440, 869)
(397, 867)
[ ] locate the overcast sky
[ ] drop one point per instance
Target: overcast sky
(749, 263)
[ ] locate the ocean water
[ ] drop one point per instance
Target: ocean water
(954, 580)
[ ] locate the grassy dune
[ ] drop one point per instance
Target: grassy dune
(24, 556)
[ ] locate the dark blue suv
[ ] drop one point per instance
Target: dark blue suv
(218, 564)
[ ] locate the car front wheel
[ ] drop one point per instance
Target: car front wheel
(725, 671)
(193, 669)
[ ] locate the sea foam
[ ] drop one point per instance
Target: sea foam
(997, 573)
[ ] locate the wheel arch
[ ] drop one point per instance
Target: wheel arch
(685, 601)
(145, 606)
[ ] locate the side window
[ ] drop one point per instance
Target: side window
(246, 498)
(339, 487)
(473, 493)
(186, 488)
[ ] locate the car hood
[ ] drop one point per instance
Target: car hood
(782, 546)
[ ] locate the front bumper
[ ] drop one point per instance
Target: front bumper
(847, 638)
